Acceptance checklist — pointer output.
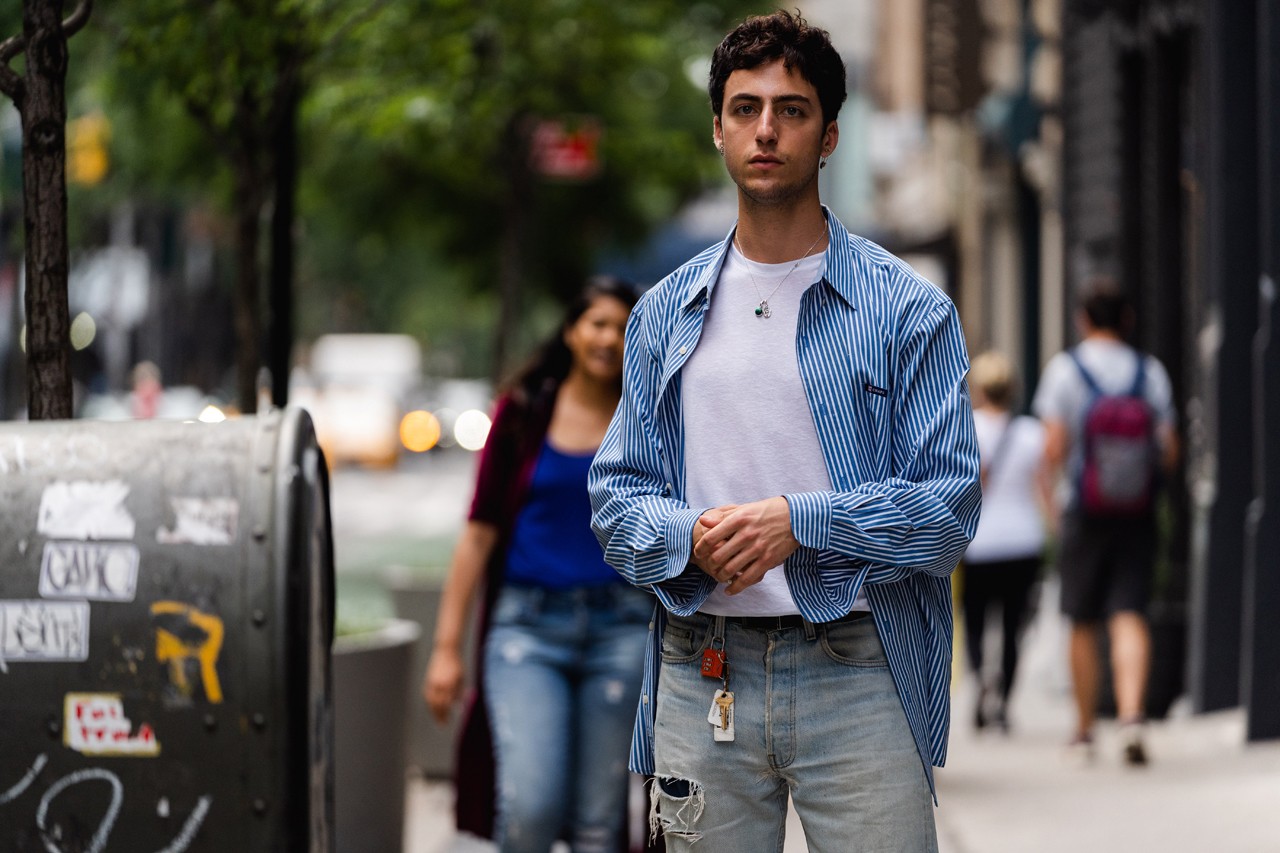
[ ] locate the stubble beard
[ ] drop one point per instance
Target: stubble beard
(774, 194)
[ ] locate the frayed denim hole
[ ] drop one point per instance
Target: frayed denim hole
(675, 807)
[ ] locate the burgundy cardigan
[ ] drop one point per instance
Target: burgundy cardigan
(502, 483)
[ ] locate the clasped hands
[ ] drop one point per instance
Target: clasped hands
(737, 543)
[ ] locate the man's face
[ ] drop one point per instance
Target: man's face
(771, 128)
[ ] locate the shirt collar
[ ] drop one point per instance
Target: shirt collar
(839, 272)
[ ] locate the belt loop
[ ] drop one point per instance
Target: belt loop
(717, 629)
(810, 631)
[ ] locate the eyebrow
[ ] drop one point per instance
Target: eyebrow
(757, 99)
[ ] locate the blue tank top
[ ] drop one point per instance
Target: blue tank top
(552, 545)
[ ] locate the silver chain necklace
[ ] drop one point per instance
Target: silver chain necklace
(762, 307)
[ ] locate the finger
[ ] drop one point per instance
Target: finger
(725, 527)
(742, 580)
(441, 703)
(720, 556)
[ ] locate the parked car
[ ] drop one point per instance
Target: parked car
(356, 387)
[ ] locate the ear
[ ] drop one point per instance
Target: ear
(830, 137)
(717, 132)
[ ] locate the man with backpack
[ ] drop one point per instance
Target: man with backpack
(1109, 428)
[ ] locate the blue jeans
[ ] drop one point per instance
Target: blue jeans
(816, 715)
(562, 678)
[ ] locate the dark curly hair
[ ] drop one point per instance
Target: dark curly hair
(782, 35)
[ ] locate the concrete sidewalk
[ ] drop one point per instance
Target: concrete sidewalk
(1205, 790)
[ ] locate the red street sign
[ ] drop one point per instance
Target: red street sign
(564, 154)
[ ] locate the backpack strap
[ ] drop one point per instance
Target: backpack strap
(1139, 378)
(1086, 375)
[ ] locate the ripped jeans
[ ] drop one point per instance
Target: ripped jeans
(562, 677)
(816, 716)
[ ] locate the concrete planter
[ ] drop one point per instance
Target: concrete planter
(372, 672)
(431, 746)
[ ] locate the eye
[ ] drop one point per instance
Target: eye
(744, 109)
(792, 111)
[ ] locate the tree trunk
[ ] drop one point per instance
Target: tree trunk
(248, 209)
(44, 121)
(512, 259)
(285, 143)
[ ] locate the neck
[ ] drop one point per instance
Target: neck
(1104, 335)
(773, 235)
(590, 392)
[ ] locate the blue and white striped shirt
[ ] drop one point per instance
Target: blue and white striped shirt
(883, 362)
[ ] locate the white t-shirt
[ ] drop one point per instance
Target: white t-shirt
(749, 434)
(1011, 526)
(1063, 395)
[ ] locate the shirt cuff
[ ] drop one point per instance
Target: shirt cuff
(679, 540)
(811, 514)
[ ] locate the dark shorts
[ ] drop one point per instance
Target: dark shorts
(1105, 566)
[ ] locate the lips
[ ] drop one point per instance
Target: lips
(764, 162)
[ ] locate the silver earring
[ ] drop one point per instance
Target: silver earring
(823, 164)
(720, 148)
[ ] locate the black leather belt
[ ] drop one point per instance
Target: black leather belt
(779, 623)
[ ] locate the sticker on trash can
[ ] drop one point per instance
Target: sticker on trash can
(40, 630)
(201, 521)
(189, 643)
(95, 724)
(83, 509)
(98, 571)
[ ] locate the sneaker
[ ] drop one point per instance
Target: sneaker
(1000, 717)
(1079, 750)
(980, 710)
(1133, 750)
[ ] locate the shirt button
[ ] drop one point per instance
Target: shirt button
(683, 349)
(645, 698)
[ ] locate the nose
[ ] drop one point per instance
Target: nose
(766, 131)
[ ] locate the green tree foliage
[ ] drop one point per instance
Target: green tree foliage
(418, 209)
(426, 119)
(237, 68)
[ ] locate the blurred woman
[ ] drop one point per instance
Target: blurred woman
(1003, 560)
(562, 635)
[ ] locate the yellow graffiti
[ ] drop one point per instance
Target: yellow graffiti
(176, 650)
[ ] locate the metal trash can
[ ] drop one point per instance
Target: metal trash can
(166, 615)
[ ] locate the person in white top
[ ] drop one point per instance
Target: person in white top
(1106, 550)
(1002, 563)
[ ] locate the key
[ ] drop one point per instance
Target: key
(725, 700)
(721, 717)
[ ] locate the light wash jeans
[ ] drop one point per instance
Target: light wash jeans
(816, 715)
(562, 676)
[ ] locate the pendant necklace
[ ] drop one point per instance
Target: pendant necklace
(762, 307)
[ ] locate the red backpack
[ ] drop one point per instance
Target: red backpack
(1118, 475)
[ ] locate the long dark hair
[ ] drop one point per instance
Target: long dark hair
(542, 374)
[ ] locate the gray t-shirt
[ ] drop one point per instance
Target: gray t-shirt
(1063, 395)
